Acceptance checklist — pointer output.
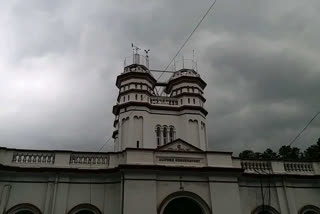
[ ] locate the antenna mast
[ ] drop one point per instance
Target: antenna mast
(136, 56)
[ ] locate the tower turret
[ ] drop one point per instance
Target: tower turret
(144, 119)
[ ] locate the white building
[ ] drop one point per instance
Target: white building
(160, 163)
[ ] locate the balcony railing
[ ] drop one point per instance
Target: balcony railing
(298, 167)
(169, 101)
(279, 167)
(256, 166)
(33, 157)
(89, 158)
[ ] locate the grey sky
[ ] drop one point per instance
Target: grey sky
(59, 61)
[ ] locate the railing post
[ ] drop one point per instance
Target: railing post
(316, 167)
(277, 167)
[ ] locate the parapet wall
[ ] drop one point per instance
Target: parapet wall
(151, 157)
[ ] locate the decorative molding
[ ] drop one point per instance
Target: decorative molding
(179, 145)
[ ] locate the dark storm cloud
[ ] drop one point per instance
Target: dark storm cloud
(59, 61)
(274, 93)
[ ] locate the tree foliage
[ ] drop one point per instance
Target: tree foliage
(312, 153)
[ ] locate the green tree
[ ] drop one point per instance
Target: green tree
(313, 152)
(247, 154)
(269, 154)
(289, 153)
(257, 155)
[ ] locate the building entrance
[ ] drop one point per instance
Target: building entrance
(183, 205)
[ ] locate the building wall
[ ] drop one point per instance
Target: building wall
(58, 193)
(189, 126)
(145, 191)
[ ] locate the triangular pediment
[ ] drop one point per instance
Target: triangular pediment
(179, 145)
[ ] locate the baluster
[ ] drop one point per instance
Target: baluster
(14, 158)
(72, 159)
(249, 165)
(49, 158)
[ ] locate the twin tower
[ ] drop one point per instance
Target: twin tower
(146, 119)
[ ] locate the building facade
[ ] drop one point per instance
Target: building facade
(160, 163)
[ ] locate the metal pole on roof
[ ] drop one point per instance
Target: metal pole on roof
(182, 62)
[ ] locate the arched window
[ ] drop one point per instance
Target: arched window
(136, 96)
(158, 134)
(165, 135)
(171, 133)
(309, 209)
(85, 209)
(24, 209)
(265, 209)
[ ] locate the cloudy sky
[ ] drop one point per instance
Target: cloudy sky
(59, 61)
